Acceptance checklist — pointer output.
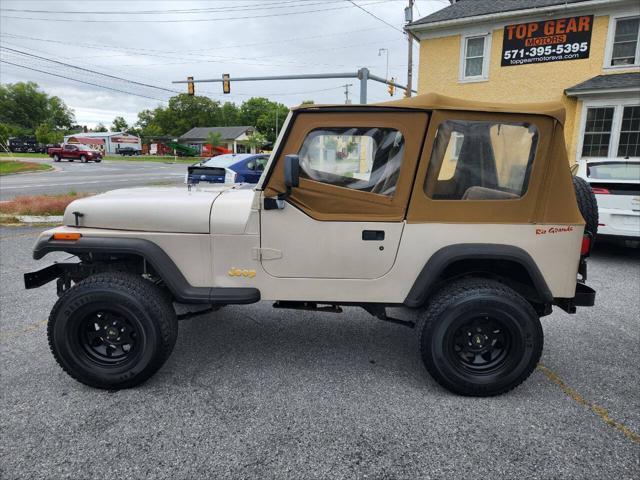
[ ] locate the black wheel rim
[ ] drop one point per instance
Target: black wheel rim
(480, 344)
(108, 337)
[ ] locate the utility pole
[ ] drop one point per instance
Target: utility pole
(347, 100)
(408, 17)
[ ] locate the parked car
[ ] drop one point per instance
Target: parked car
(616, 185)
(455, 219)
(127, 151)
(229, 168)
(74, 152)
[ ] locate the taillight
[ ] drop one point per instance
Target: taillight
(586, 245)
(600, 191)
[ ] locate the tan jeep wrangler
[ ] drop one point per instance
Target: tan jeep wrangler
(461, 216)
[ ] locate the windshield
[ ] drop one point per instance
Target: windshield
(614, 171)
(83, 147)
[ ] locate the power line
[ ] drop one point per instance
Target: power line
(244, 17)
(253, 6)
(88, 70)
(81, 81)
(188, 52)
(375, 16)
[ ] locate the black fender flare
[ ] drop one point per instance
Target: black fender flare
(153, 254)
(428, 277)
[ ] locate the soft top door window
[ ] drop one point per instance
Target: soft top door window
(364, 159)
(354, 165)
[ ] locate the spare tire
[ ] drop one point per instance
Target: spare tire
(587, 204)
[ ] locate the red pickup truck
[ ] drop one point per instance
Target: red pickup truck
(73, 152)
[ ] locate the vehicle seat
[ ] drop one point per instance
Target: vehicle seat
(483, 193)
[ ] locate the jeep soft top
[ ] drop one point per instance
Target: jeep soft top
(459, 220)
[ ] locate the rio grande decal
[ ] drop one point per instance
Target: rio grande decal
(554, 230)
(547, 41)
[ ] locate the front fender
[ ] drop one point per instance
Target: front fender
(155, 256)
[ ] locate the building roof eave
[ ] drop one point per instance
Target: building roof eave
(418, 28)
(600, 91)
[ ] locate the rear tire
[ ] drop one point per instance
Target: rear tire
(56, 158)
(112, 330)
(479, 338)
(587, 204)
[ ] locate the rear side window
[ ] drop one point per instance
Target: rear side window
(478, 160)
(365, 159)
(614, 171)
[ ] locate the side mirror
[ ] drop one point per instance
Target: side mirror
(291, 171)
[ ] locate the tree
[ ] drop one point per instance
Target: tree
(46, 135)
(182, 114)
(256, 140)
(24, 106)
(100, 128)
(214, 139)
(230, 115)
(119, 124)
(264, 114)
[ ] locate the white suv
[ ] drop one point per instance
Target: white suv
(616, 184)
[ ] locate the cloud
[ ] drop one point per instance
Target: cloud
(339, 38)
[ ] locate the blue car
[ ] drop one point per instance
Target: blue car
(229, 168)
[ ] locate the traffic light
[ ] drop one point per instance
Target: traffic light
(391, 88)
(226, 83)
(191, 89)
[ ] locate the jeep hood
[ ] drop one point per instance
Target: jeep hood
(153, 209)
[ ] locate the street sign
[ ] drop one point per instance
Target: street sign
(554, 40)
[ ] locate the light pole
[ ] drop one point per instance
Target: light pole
(386, 51)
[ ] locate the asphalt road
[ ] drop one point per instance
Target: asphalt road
(90, 177)
(251, 392)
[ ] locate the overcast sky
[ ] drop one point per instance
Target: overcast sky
(174, 39)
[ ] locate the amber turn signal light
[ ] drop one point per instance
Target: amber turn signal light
(69, 237)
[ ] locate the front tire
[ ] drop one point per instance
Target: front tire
(479, 338)
(112, 330)
(83, 159)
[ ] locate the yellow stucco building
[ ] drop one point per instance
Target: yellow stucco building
(584, 53)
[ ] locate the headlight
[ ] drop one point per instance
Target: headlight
(229, 176)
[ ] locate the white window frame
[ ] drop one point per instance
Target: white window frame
(618, 108)
(486, 57)
(611, 33)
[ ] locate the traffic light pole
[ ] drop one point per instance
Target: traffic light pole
(363, 75)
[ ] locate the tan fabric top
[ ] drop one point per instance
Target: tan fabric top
(433, 101)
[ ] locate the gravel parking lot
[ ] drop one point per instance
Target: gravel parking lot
(251, 392)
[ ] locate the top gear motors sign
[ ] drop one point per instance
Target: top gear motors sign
(547, 41)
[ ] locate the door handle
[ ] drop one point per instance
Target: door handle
(375, 235)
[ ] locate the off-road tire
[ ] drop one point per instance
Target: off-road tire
(455, 306)
(145, 308)
(56, 158)
(587, 204)
(83, 159)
